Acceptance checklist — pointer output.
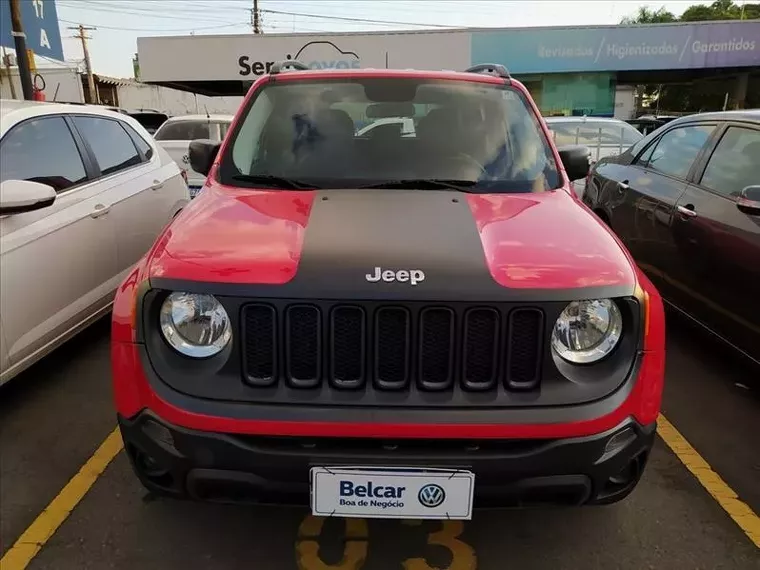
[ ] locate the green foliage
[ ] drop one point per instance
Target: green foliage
(709, 95)
(718, 10)
(647, 16)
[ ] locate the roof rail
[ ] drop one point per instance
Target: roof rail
(492, 68)
(278, 66)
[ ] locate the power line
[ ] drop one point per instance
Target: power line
(65, 64)
(289, 27)
(364, 20)
(137, 11)
(185, 29)
(415, 6)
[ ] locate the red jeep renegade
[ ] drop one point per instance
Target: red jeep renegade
(387, 301)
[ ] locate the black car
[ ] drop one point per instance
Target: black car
(648, 123)
(149, 118)
(685, 200)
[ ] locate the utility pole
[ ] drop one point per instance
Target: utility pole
(94, 99)
(19, 41)
(10, 75)
(255, 14)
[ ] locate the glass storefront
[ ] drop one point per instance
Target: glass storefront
(572, 93)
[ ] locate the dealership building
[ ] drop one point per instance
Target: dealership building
(569, 70)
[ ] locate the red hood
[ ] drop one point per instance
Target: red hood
(235, 237)
(547, 241)
(539, 241)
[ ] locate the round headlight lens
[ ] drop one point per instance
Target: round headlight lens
(195, 325)
(587, 331)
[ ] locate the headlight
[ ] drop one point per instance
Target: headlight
(195, 325)
(587, 331)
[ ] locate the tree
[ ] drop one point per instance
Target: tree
(647, 16)
(710, 94)
(751, 12)
(718, 10)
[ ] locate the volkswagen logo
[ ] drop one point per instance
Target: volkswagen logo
(431, 496)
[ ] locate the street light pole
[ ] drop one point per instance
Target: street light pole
(19, 41)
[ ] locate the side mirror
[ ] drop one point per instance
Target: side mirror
(576, 159)
(17, 196)
(203, 154)
(749, 200)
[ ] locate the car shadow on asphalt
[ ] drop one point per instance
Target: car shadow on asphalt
(669, 521)
(45, 375)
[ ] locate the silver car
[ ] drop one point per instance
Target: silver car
(604, 137)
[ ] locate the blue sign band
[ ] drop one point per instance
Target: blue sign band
(40, 21)
(620, 48)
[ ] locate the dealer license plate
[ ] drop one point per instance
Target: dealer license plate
(397, 493)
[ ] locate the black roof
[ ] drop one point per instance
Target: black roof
(752, 115)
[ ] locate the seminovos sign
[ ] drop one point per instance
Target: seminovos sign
(321, 54)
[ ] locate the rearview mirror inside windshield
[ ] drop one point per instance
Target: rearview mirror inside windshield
(383, 110)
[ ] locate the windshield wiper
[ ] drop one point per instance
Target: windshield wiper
(275, 181)
(426, 184)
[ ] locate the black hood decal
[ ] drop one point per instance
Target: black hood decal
(426, 236)
(423, 243)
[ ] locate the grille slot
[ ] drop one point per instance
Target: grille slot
(524, 347)
(481, 349)
(260, 344)
(392, 347)
(436, 358)
(347, 350)
(303, 346)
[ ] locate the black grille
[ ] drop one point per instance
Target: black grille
(436, 348)
(347, 356)
(524, 350)
(481, 349)
(303, 345)
(351, 346)
(260, 348)
(392, 347)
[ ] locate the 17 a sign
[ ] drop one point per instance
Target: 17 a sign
(40, 21)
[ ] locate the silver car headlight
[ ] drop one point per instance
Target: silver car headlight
(195, 325)
(587, 331)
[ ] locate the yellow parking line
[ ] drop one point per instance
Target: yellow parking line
(742, 514)
(48, 521)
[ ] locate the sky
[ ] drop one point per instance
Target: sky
(120, 22)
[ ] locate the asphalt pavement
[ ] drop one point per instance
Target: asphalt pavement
(54, 416)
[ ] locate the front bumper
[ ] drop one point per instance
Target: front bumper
(184, 463)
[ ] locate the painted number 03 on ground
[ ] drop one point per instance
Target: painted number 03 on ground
(355, 549)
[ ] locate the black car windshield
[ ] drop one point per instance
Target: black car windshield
(390, 132)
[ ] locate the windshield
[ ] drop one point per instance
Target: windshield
(184, 131)
(597, 133)
(377, 131)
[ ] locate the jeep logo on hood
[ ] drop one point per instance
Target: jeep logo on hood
(319, 54)
(412, 276)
